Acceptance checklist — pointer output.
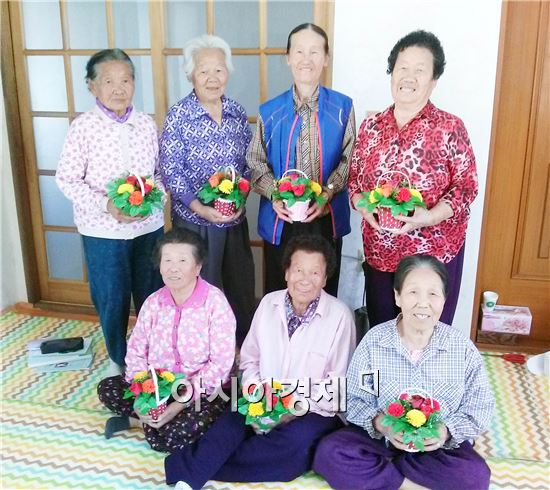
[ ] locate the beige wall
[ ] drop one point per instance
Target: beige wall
(12, 287)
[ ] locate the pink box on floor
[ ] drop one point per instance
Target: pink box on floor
(507, 319)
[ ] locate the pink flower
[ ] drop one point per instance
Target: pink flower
(135, 388)
(299, 189)
(417, 401)
(396, 409)
(244, 185)
(285, 186)
(403, 396)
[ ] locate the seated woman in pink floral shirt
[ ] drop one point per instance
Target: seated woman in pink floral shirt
(186, 327)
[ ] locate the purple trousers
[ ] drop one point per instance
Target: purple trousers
(231, 451)
(381, 305)
(350, 459)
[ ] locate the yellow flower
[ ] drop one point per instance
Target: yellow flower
(316, 188)
(277, 386)
(255, 409)
(226, 186)
(168, 376)
(416, 418)
(372, 199)
(416, 194)
(122, 188)
(141, 375)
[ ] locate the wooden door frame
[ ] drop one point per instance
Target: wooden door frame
(17, 155)
(498, 111)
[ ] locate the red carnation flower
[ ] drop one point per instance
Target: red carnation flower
(274, 400)
(132, 180)
(147, 188)
(435, 403)
(299, 189)
(404, 195)
(426, 410)
(285, 186)
(403, 396)
(417, 401)
(244, 185)
(136, 198)
(396, 409)
(135, 388)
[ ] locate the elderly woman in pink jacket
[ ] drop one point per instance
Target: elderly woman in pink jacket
(301, 335)
(186, 327)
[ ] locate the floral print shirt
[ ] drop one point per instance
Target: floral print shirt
(196, 338)
(434, 151)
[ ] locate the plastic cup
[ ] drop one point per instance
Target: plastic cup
(490, 300)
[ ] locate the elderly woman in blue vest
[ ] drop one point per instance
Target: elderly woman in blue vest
(312, 129)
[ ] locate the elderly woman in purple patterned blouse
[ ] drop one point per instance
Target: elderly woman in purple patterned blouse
(203, 132)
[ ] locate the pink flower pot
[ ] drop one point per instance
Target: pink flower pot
(298, 211)
(225, 207)
(387, 221)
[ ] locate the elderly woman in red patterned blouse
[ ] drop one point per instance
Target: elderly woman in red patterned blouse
(431, 147)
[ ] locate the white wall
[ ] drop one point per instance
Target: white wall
(364, 33)
(12, 287)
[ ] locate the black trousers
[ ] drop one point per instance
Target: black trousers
(230, 267)
(273, 254)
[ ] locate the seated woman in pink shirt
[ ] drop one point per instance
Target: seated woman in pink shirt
(302, 335)
(186, 327)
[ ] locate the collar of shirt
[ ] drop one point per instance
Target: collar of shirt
(304, 319)
(311, 103)
(197, 298)
(112, 115)
(198, 111)
(439, 340)
(131, 120)
(387, 117)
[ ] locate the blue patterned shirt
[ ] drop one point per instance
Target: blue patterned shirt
(450, 369)
(193, 146)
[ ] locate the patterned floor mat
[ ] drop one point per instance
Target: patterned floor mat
(52, 424)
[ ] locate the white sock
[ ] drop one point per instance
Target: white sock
(114, 369)
(181, 485)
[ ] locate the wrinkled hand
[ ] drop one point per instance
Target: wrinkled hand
(210, 214)
(433, 444)
(280, 210)
(119, 215)
(421, 218)
(171, 411)
(285, 419)
(365, 214)
(316, 211)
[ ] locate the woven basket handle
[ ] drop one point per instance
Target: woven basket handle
(295, 171)
(140, 182)
(156, 383)
(392, 172)
(231, 169)
(418, 391)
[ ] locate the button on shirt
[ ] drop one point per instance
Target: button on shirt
(196, 338)
(450, 369)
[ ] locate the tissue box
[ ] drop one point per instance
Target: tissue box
(507, 319)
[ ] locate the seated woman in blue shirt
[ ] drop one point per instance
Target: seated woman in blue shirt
(202, 133)
(413, 350)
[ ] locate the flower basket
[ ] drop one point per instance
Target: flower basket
(389, 201)
(151, 390)
(296, 190)
(416, 415)
(226, 189)
(258, 411)
(135, 195)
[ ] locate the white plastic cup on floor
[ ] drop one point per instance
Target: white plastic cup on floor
(490, 299)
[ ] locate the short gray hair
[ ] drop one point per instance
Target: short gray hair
(197, 44)
(107, 55)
